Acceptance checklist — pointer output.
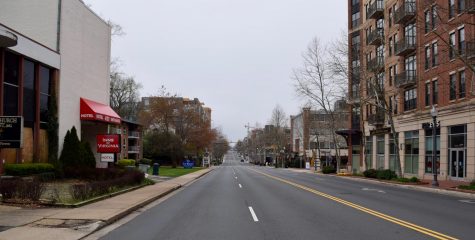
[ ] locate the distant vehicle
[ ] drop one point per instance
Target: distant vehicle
(242, 160)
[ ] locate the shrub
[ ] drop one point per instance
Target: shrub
(328, 170)
(93, 174)
(414, 179)
(145, 161)
(87, 156)
(30, 189)
(126, 162)
(472, 183)
(8, 187)
(386, 174)
(25, 169)
(71, 153)
(370, 173)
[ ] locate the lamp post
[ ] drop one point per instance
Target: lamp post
(433, 113)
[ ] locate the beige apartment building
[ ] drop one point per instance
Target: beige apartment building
(419, 55)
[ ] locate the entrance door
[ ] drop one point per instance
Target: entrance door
(457, 163)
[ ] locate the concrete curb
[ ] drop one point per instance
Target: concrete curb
(414, 187)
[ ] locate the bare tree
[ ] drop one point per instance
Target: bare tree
(315, 81)
(124, 95)
(278, 136)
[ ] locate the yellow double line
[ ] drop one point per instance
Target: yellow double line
(398, 221)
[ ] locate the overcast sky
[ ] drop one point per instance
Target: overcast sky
(236, 56)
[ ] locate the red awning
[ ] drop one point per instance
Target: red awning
(94, 111)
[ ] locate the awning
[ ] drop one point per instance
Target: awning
(94, 111)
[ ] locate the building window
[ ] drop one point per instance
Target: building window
(461, 84)
(435, 90)
(391, 46)
(380, 151)
(411, 152)
(461, 41)
(429, 148)
(427, 17)
(29, 102)
(427, 95)
(391, 76)
(410, 99)
(393, 151)
(453, 87)
(460, 6)
(434, 17)
(45, 94)
(355, 19)
(427, 58)
(435, 55)
(451, 8)
(10, 84)
(452, 45)
(369, 152)
(390, 22)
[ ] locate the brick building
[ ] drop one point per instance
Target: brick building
(419, 53)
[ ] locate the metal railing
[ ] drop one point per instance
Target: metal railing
(375, 9)
(376, 119)
(405, 13)
(134, 134)
(134, 149)
(376, 64)
(375, 37)
(405, 46)
(405, 78)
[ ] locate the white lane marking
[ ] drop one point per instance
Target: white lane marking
(240, 186)
(375, 190)
(468, 201)
(253, 214)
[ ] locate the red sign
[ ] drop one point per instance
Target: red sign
(108, 143)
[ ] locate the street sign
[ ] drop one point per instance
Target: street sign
(188, 163)
(11, 132)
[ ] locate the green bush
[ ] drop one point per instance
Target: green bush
(328, 170)
(71, 153)
(414, 179)
(145, 161)
(370, 173)
(87, 156)
(385, 174)
(26, 169)
(126, 162)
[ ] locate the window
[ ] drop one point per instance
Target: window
(391, 75)
(430, 147)
(461, 84)
(391, 46)
(435, 92)
(393, 104)
(393, 151)
(427, 18)
(453, 87)
(410, 34)
(451, 8)
(355, 19)
(427, 94)
(410, 64)
(45, 82)
(435, 55)
(380, 151)
(452, 45)
(390, 16)
(460, 6)
(461, 42)
(427, 58)
(435, 17)
(29, 102)
(410, 99)
(411, 152)
(10, 84)
(369, 152)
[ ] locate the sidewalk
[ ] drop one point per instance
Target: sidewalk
(76, 223)
(445, 187)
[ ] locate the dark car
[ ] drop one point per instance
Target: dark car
(242, 160)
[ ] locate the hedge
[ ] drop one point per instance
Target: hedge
(384, 174)
(328, 170)
(26, 169)
(126, 162)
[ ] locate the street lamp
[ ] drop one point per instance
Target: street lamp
(433, 113)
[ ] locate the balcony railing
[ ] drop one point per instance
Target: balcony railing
(375, 10)
(134, 134)
(375, 65)
(375, 37)
(355, 75)
(376, 119)
(405, 13)
(134, 149)
(406, 78)
(405, 46)
(470, 6)
(470, 49)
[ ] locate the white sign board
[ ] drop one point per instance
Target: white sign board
(307, 165)
(107, 157)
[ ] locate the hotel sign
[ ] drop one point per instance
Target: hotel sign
(11, 132)
(108, 143)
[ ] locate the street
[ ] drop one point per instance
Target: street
(242, 201)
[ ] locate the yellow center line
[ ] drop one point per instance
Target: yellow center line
(397, 221)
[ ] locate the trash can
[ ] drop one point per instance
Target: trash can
(155, 169)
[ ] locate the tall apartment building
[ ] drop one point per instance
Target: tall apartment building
(419, 54)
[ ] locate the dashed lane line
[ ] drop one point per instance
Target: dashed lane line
(253, 214)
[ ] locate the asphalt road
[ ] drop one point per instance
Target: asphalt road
(241, 201)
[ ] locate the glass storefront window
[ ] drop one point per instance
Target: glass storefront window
(393, 151)
(10, 84)
(29, 102)
(429, 148)
(411, 152)
(369, 152)
(380, 152)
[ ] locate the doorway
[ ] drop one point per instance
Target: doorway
(457, 166)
